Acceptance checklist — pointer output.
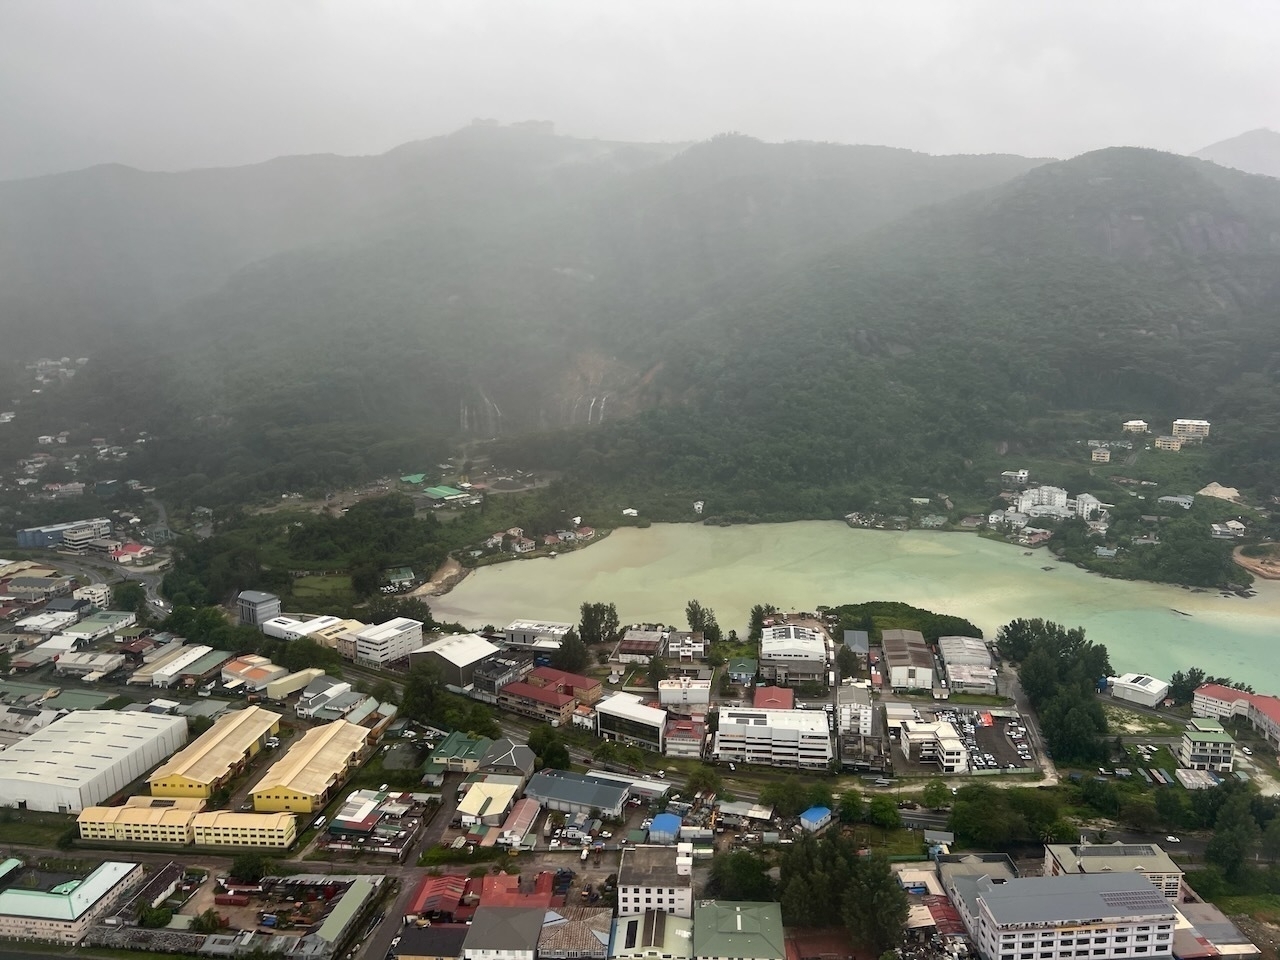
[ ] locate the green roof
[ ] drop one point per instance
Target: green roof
(414, 478)
(743, 929)
(348, 907)
(443, 492)
(72, 899)
(742, 665)
(459, 746)
(1207, 736)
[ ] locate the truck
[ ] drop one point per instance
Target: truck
(230, 900)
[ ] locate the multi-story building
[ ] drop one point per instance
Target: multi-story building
(540, 703)
(541, 634)
(1146, 859)
(455, 656)
(1100, 455)
(686, 737)
(685, 694)
(64, 913)
(75, 535)
(738, 930)
(1206, 746)
(99, 594)
(908, 662)
(1191, 429)
(778, 738)
(304, 779)
(1135, 426)
(686, 647)
(793, 654)
(654, 878)
(1040, 499)
(221, 828)
(493, 673)
(934, 743)
(141, 820)
(1172, 444)
(1111, 915)
(586, 690)
(625, 718)
(257, 607)
(1262, 712)
(387, 642)
(217, 755)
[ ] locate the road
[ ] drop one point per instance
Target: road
(1013, 689)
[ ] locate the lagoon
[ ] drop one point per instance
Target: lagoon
(651, 573)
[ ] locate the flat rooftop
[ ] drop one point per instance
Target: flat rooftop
(650, 866)
(1073, 898)
(1113, 857)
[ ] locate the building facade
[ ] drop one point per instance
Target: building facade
(255, 607)
(625, 718)
(1206, 746)
(779, 738)
(654, 878)
(388, 642)
(1191, 429)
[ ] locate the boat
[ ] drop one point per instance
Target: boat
(1048, 568)
(1181, 613)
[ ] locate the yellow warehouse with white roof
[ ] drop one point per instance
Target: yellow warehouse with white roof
(304, 779)
(217, 755)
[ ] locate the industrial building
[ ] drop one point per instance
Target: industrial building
(57, 911)
(625, 718)
(85, 757)
(738, 930)
(538, 634)
(53, 534)
(577, 792)
(141, 820)
(487, 801)
(284, 687)
(292, 628)
(455, 657)
(655, 878)
(305, 777)
(1148, 859)
(639, 645)
(256, 607)
(387, 642)
(101, 624)
(1139, 688)
(791, 653)
(908, 662)
(652, 935)
(222, 828)
(778, 738)
(216, 755)
(251, 672)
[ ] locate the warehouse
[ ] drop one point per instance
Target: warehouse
(907, 660)
(455, 657)
(84, 758)
(216, 755)
(99, 625)
(305, 777)
(283, 687)
(221, 828)
(291, 628)
(577, 793)
(1140, 689)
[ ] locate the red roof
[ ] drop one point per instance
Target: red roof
(1266, 705)
(528, 691)
(558, 678)
(437, 895)
(503, 890)
(683, 728)
(774, 698)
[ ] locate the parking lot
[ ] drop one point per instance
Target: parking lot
(994, 743)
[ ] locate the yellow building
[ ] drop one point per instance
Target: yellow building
(217, 755)
(221, 828)
(305, 777)
(142, 820)
(1169, 443)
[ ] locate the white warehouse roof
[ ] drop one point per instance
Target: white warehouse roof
(812, 721)
(792, 643)
(969, 651)
(461, 649)
(1149, 686)
(629, 707)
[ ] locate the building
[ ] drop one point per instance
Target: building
(487, 801)
(493, 673)
(1191, 429)
(686, 737)
(292, 628)
(1139, 688)
(778, 738)
(1172, 444)
(575, 933)
(577, 793)
(455, 657)
(438, 941)
(256, 607)
(1135, 426)
(65, 911)
(1206, 746)
(741, 930)
(1102, 858)
(304, 779)
(641, 644)
(908, 662)
(540, 634)
(793, 654)
(773, 698)
(284, 687)
(936, 743)
(458, 753)
(221, 828)
(141, 820)
(625, 718)
(968, 663)
(652, 935)
(85, 757)
(216, 755)
(586, 690)
(99, 594)
(503, 933)
(742, 669)
(388, 642)
(1115, 914)
(686, 647)
(540, 703)
(1262, 712)
(655, 878)
(685, 694)
(76, 533)
(507, 758)
(251, 672)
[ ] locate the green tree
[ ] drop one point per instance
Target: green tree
(740, 875)
(875, 906)
(1235, 833)
(572, 655)
(704, 778)
(250, 867)
(657, 671)
(851, 807)
(599, 623)
(786, 796)
(936, 794)
(883, 812)
(1271, 840)
(210, 921)
(129, 595)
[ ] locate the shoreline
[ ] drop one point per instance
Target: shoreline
(1258, 567)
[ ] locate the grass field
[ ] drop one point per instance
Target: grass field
(1260, 906)
(26, 827)
(335, 589)
(1128, 723)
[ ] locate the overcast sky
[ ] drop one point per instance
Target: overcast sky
(173, 84)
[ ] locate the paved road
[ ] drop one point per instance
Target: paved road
(1013, 689)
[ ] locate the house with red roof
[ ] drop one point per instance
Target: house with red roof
(774, 698)
(1260, 711)
(540, 703)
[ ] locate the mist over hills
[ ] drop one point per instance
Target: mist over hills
(1257, 151)
(805, 322)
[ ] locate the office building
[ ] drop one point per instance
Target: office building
(387, 642)
(1206, 746)
(1147, 859)
(539, 634)
(778, 738)
(256, 607)
(655, 878)
(625, 718)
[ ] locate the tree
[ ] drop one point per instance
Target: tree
(572, 656)
(599, 623)
(366, 579)
(847, 662)
(657, 671)
(250, 867)
(129, 595)
(154, 917)
(786, 796)
(851, 807)
(704, 779)
(1235, 833)
(936, 794)
(883, 812)
(422, 690)
(1271, 840)
(875, 906)
(210, 921)
(606, 752)
(740, 875)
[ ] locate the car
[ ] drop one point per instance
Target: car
(1172, 839)
(732, 767)
(1247, 751)
(554, 843)
(661, 774)
(247, 805)
(605, 835)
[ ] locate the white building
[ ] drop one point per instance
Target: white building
(99, 594)
(291, 628)
(907, 660)
(543, 634)
(1139, 688)
(854, 712)
(172, 669)
(387, 642)
(1035, 498)
(455, 656)
(1191, 429)
(1145, 858)
(776, 738)
(65, 915)
(685, 694)
(656, 878)
(934, 743)
(792, 652)
(86, 757)
(1115, 915)
(1206, 746)
(625, 718)
(1135, 426)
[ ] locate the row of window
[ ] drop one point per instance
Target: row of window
(1097, 952)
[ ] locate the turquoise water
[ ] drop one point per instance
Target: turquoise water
(651, 574)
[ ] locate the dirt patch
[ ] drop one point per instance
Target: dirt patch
(1266, 567)
(1265, 936)
(449, 575)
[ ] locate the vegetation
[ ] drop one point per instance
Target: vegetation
(740, 875)
(1184, 683)
(549, 749)
(572, 655)
(427, 701)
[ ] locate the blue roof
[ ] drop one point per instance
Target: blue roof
(814, 814)
(665, 823)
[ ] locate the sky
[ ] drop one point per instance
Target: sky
(176, 84)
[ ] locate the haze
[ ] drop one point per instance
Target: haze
(167, 86)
